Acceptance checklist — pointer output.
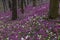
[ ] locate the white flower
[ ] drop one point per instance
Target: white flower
(2, 17)
(35, 15)
(34, 19)
(7, 16)
(22, 38)
(16, 36)
(33, 7)
(55, 37)
(7, 38)
(27, 36)
(23, 26)
(39, 36)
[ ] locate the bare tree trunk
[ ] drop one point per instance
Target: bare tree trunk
(14, 9)
(22, 8)
(27, 2)
(10, 4)
(24, 3)
(34, 2)
(53, 9)
(19, 1)
(4, 5)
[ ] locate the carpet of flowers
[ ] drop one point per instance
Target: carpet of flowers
(34, 26)
(31, 28)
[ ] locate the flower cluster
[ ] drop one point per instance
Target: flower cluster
(31, 28)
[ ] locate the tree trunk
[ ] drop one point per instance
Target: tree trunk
(53, 9)
(22, 8)
(19, 1)
(14, 9)
(4, 5)
(34, 2)
(10, 4)
(27, 2)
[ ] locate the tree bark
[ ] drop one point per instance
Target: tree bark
(53, 9)
(10, 4)
(14, 9)
(34, 2)
(22, 8)
(4, 5)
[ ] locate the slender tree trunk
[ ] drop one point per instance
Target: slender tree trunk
(27, 2)
(19, 1)
(34, 2)
(24, 3)
(53, 9)
(4, 5)
(10, 4)
(14, 9)
(22, 8)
